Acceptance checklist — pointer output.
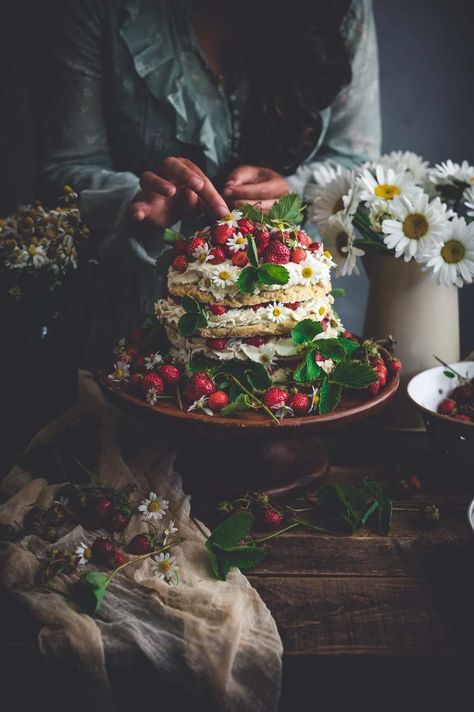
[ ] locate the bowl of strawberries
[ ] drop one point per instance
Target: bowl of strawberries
(444, 395)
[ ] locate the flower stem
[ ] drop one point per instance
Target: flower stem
(254, 397)
(144, 556)
(277, 533)
(313, 526)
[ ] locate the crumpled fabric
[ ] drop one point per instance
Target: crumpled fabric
(215, 642)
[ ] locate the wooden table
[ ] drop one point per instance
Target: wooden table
(363, 614)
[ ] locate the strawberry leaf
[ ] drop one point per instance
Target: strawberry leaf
(190, 305)
(90, 590)
(188, 324)
(258, 377)
(329, 396)
(239, 403)
(252, 253)
(348, 345)
(269, 273)
(330, 348)
(338, 292)
(288, 210)
(251, 212)
(232, 530)
(171, 236)
(241, 557)
(248, 280)
(354, 374)
(305, 331)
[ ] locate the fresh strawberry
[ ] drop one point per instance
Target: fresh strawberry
(381, 371)
(303, 238)
(376, 361)
(198, 385)
(256, 307)
(217, 309)
(170, 374)
(325, 323)
(276, 253)
(319, 358)
(103, 551)
(217, 344)
(256, 340)
(394, 365)
(246, 226)
(293, 305)
(269, 519)
(180, 247)
(414, 483)
(221, 233)
(135, 383)
(240, 259)
(153, 380)
(299, 403)
(119, 558)
(218, 400)
(118, 521)
(217, 256)
(102, 507)
(465, 418)
(262, 238)
(374, 388)
(192, 246)
(275, 397)
(314, 247)
(180, 263)
(298, 255)
(140, 544)
(463, 394)
(448, 406)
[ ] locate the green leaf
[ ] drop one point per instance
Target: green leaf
(248, 280)
(232, 530)
(163, 262)
(330, 348)
(345, 502)
(354, 374)
(258, 377)
(348, 345)
(269, 273)
(308, 370)
(251, 212)
(305, 331)
(171, 236)
(252, 253)
(241, 557)
(201, 363)
(338, 292)
(287, 209)
(449, 374)
(190, 305)
(382, 520)
(329, 396)
(238, 404)
(90, 590)
(187, 325)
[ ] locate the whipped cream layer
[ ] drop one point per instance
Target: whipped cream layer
(205, 276)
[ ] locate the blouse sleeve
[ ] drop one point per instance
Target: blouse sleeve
(353, 134)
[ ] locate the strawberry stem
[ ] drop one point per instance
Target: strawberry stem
(277, 533)
(144, 556)
(253, 396)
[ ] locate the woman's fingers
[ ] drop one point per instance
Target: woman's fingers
(210, 198)
(243, 174)
(178, 171)
(151, 182)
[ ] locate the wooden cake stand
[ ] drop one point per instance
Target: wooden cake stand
(222, 457)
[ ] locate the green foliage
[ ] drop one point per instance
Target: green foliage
(248, 280)
(308, 370)
(305, 331)
(225, 549)
(252, 253)
(354, 374)
(195, 317)
(171, 236)
(90, 590)
(358, 506)
(329, 396)
(287, 210)
(338, 292)
(330, 348)
(267, 273)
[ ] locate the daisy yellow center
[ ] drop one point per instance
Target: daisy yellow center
(277, 311)
(307, 272)
(154, 506)
(202, 257)
(240, 240)
(415, 226)
(322, 310)
(266, 358)
(165, 566)
(87, 553)
(315, 399)
(229, 217)
(281, 226)
(327, 254)
(32, 250)
(119, 373)
(453, 251)
(386, 191)
(224, 275)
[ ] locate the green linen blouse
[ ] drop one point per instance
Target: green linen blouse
(131, 87)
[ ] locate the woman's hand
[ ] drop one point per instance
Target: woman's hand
(248, 184)
(177, 190)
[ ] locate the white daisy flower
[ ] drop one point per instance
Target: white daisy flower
(224, 275)
(379, 212)
(417, 223)
(452, 259)
(37, 255)
(324, 173)
(277, 312)
(152, 396)
(264, 354)
(202, 253)
(385, 185)
(167, 568)
(448, 171)
(169, 531)
(340, 237)
(276, 226)
(154, 507)
(231, 219)
(469, 201)
(407, 161)
(314, 399)
(309, 271)
(237, 242)
(120, 347)
(84, 554)
(200, 404)
(18, 260)
(328, 200)
(282, 411)
(153, 360)
(121, 371)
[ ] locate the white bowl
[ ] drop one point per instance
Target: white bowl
(428, 388)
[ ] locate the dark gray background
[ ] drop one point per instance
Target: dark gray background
(426, 54)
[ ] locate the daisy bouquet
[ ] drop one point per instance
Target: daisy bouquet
(402, 206)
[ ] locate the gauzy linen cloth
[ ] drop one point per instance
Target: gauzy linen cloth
(216, 641)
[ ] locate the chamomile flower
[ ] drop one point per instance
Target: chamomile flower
(283, 411)
(237, 242)
(152, 396)
(121, 372)
(328, 199)
(309, 271)
(448, 171)
(231, 219)
(324, 173)
(384, 184)
(167, 568)
(153, 507)
(379, 212)
(169, 531)
(314, 399)
(277, 312)
(224, 275)
(416, 224)
(200, 404)
(84, 554)
(452, 259)
(38, 255)
(202, 253)
(264, 354)
(340, 237)
(469, 201)
(153, 360)
(408, 161)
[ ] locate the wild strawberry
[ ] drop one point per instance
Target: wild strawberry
(374, 388)
(221, 233)
(299, 403)
(153, 380)
(382, 374)
(217, 256)
(293, 305)
(394, 365)
(119, 558)
(170, 374)
(135, 383)
(269, 519)
(102, 507)
(140, 544)
(192, 246)
(414, 483)
(180, 263)
(136, 337)
(217, 344)
(180, 247)
(298, 255)
(198, 385)
(314, 247)
(303, 238)
(448, 406)
(103, 552)
(276, 253)
(319, 358)
(465, 418)
(246, 226)
(275, 397)
(256, 307)
(217, 309)
(463, 394)
(262, 238)
(376, 361)
(256, 341)
(218, 400)
(118, 521)
(325, 323)
(240, 259)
